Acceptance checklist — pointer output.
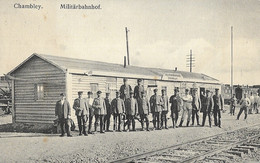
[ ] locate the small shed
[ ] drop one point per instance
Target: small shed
(38, 81)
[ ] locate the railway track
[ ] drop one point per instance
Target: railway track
(217, 148)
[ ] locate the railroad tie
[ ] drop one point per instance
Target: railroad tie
(254, 145)
(247, 151)
(227, 155)
(248, 147)
(216, 158)
(240, 154)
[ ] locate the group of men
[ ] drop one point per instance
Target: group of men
(130, 105)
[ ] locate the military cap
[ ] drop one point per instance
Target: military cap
(107, 93)
(125, 79)
(207, 91)
(99, 92)
(187, 90)
(163, 90)
(117, 91)
(216, 89)
(89, 93)
(142, 92)
(155, 90)
(80, 92)
(139, 80)
(62, 94)
(176, 90)
(131, 92)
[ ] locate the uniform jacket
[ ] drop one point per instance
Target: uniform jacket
(165, 103)
(245, 102)
(144, 106)
(137, 91)
(118, 106)
(233, 101)
(196, 103)
(218, 102)
(91, 109)
(187, 102)
(131, 106)
(207, 104)
(81, 107)
(155, 103)
(176, 103)
(62, 111)
(108, 105)
(99, 106)
(125, 91)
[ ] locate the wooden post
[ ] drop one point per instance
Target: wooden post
(13, 102)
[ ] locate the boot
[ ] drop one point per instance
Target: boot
(173, 124)
(187, 123)
(166, 124)
(180, 125)
(147, 126)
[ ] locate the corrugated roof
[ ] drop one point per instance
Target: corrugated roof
(80, 64)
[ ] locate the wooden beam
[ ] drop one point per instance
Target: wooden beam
(13, 102)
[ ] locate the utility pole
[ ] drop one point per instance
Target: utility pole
(127, 49)
(231, 61)
(190, 61)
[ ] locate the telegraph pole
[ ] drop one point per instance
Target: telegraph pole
(231, 61)
(190, 61)
(127, 49)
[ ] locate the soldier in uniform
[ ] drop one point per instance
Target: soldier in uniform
(144, 111)
(63, 113)
(91, 111)
(109, 112)
(100, 111)
(187, 108)
(207, 107)
(155, 104)
(245, 103)
(131, 110)
(125, 90)
(176, 104)
(165, 109)
(257, 101)
(252, 101)
(118, 109)
(233, 103)
(218, 106)
(138, 91)
(196, 106)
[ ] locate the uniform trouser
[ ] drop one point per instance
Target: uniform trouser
(156, 119)
(131, 120)
(174, 116)
(107, 121)
(205, 114)
(217, 117)
(232, 112)
(255, 107)
(240, 112)
(99, 118)
(195, 113)
(82, 123)
(250, 109)
(91, 117)
(144, 117)
(118, 121)
(164, 118)
(67, 126)
(186, 111)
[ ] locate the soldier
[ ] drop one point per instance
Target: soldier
(257, 101)
(252, 101)
(165, 108)
(155, 103)
(100, 111)
(91, 111)
(109, 112)
(131, 110)
(138, 91)
(118, 109)
(63, 113)
(125, 90)
(176, 104)
(187, 107)
(196, 106)
(233, 103)
(144, 111)
(81, 111)
(245, 103)
(207, 107)
(218, 106)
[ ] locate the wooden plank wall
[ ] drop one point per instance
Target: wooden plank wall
(53, 79)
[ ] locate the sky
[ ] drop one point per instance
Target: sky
(161, 35)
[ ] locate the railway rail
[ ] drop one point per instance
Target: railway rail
(217, 148)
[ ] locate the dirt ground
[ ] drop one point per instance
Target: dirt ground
(35, 147)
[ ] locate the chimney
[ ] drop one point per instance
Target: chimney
(124, 61)
(175, 69)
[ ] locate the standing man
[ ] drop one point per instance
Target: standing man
(187, 107)
(131, 110)
(252, 101)
(176, 104)
(217, 108)
(257, 101)
(144, 111)
(165, 109)
(207, 108)
(118, 109)
(138, 91)
(245, 103)
(81, 111)
(100, 111)
(125, 90)
(233, 103)
(155, 103)
(91, 111)
(196, 106)
(63, 113)
(109, 112)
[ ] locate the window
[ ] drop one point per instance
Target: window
(39, 92)
(94, 89)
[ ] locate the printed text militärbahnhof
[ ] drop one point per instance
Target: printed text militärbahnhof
(80, 6)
